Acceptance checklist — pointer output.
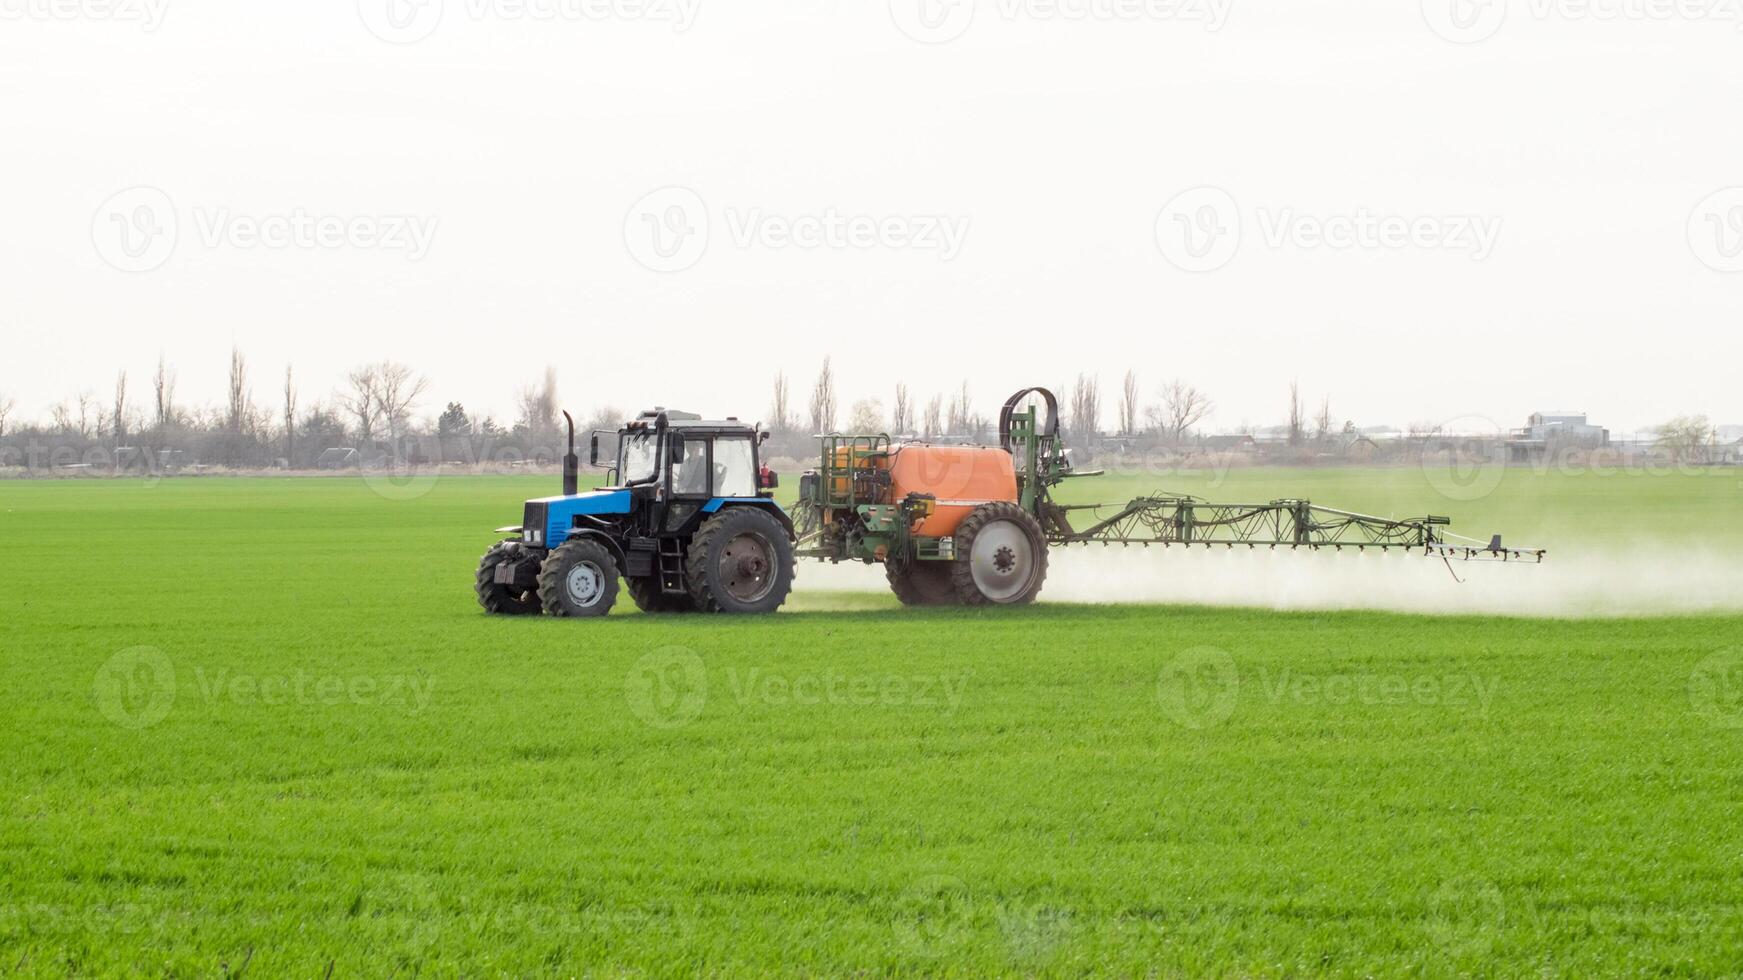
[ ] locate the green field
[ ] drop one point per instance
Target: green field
(258, 725)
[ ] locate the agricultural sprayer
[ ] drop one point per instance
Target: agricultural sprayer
(689, 522)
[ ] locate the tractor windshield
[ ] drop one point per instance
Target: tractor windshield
(640, 457)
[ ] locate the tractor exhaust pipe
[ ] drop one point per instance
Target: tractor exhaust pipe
(571, 463)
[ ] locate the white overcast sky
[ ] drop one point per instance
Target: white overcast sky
(1596, 138)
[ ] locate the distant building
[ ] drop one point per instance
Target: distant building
(337, 457)
(1548, 431)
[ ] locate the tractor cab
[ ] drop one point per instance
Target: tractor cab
(667, 455)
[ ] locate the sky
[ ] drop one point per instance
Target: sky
(1454, 212)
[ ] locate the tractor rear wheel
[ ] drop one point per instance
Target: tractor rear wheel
(740, 561)
(502, 600)
(579, 578)
(923, 583)
(1001, 556)
(650, 599)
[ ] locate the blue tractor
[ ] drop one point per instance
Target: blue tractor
(687, 520)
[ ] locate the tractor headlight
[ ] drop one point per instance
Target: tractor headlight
(534, 536)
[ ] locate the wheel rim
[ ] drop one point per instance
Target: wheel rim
(585, 582)
(1002, 561)
(747, 567)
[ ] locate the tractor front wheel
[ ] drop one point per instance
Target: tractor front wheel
(1001, 556)
(740, 561)
(578, 579)
(503, 600)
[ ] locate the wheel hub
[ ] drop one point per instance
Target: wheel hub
(746, 563)
(585, 582)
(1002, 561)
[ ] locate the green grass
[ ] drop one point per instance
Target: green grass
(262, 722)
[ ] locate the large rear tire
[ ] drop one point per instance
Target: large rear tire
(923, 583)
(740, 561)
(502, 600)
(1001, 556)
(650, 599)
(578, 579)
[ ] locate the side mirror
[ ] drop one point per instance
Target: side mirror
(762, 437)
(593, 451)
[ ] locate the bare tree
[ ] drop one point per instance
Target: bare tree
(1322, 421)
(1686, 437)
(1295, 414)
(118, 418)
(823, 400)
(1183, 407)
(358, 401)
(867, 415)
(239, 408)
(1129, 404)
(1085, 408)
(397, 390)
(83, 399)
(290, 416)
(6, 407)
(961, 407)
(164, 386)
(935, 417)
(902, 419)
(781, 419)
(538, 406)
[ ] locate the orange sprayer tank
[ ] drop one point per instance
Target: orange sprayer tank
(961, 477)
